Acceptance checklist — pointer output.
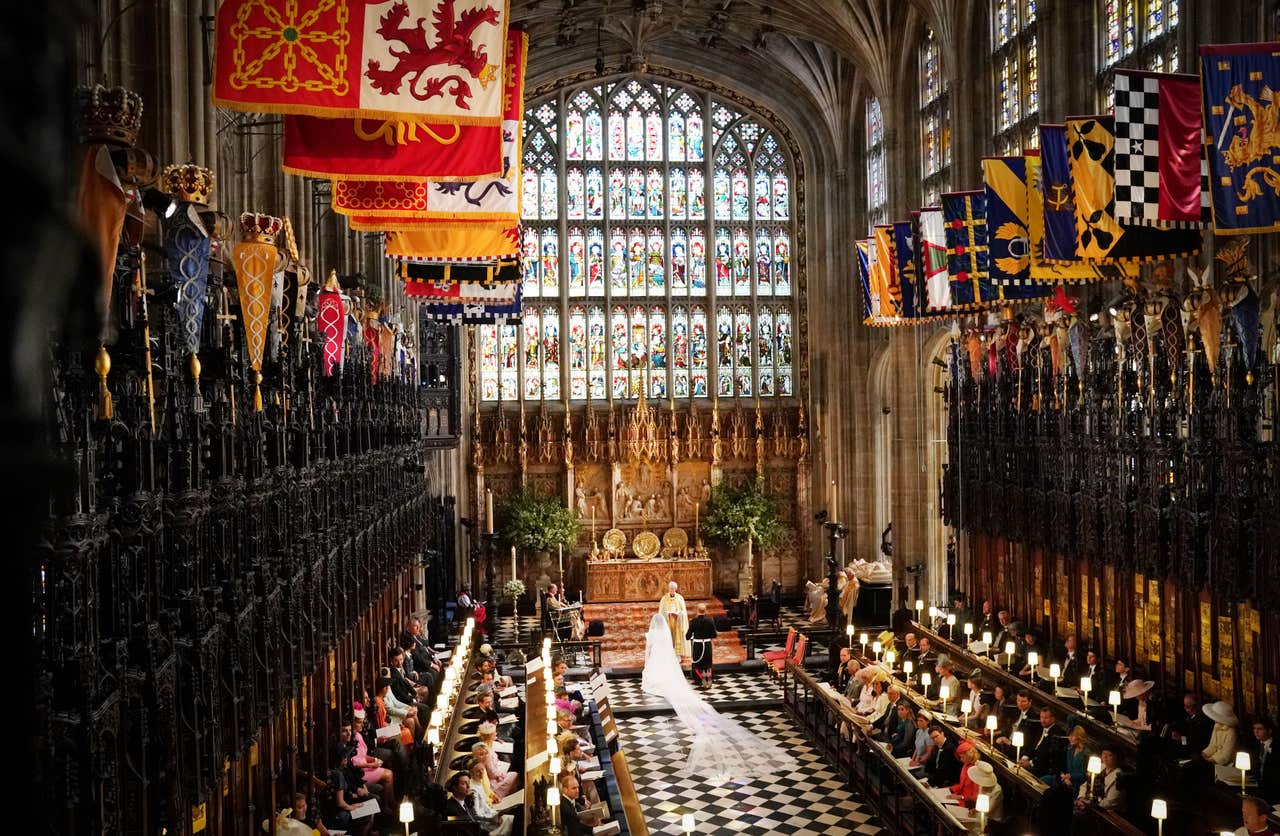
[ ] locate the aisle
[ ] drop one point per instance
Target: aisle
(810, 801)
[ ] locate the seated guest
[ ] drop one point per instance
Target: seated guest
(1136, 707)
(887, 723)
(502, 779)
(563, 703)
(1192, 728)
(417, 667)
(926, 658)
(484, 709)
(911, 649)
(571, 758)
(303, 813)
(1253, 816)
(987, 621)
(923, 748)
(491, 821)
(1075, 759)
(984, 777)
(874, 702)
(1070, 663)
(902, 740)
(1266, 760)
(1221, 750)
(843, 673)
(374, 771)
(571, 801)
(1123, 675)
(1030, 644)
(943, 767)
(480, 778)
(963, 616)
(564, 725)
(1009, 631)
(853, 690)
(461, 805)
(974, 694)
(424, 658)
(1021, 718)
(400, 686)
(345, 789)
(1108, 792)
(487, 664)
(386, 748)
(1098, 679)
(965, 789)
(1043, 747)
(391, 709)
(946, 676)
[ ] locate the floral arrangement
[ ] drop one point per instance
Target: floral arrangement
(536, 523)
(736, 515)
(514, 589)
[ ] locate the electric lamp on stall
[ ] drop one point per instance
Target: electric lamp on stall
(875, 648)
(1033, 659)
(890, 657)
(406, 815)
(951, 625)
(1009, 649)
(919, 609)
(863, 639)
(944, 693)
(1243, 763)
(1055, 671)
(1086, 685)
(555, 766)
(1114, 699)
(1159, 812)
(907, 668)
(551, 746)
(987, 638)
(551, 727)
(553, 802)
(1017, 739)
(848, 631)
(1094, 769)
(966, 705)
(983, 806)
(686, 822)
(933, 615)
(992, 724)
(433, 736)
(968, 632)
(926, 679)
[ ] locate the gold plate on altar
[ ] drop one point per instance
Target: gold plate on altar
(674, 539)
(615, 540)
(646, 545)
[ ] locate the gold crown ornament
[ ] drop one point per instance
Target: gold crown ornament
(255, 226)
(109, 115)
(189, 183)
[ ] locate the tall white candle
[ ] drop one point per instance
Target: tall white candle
(513, 562)
(561, 557)
(488, 510)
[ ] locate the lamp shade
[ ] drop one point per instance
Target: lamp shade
(1243, 761)
(553, 796)
(862, 639)
(919, 604)
(433, 736)
(1055, 670)
(1033, 658)
(1095, 765)
(555, 766)
(686, 821)
(406, 811)
(968, 629)
(875, 647)
(551, 728)
(944, 692)
(1086, 684)
(926, 679)
(992, 722)
(1009, 648)
(1159, 810)
(951, 619)
(966, 705)
(890, 657)
(1113, 698)
(848, 630)
(1017, 739)
(983, 804)
(908, 667)
(986, 637)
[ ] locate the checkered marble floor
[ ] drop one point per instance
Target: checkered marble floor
(730, 687)
(810, 801)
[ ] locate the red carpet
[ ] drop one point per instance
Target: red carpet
(626, 624)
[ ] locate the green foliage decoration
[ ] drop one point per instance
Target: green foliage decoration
(535, 523)
(735, 515)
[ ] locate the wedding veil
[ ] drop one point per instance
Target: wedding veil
(722, 749)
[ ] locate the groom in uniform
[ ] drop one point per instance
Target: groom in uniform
(701, 631)
(672, 609)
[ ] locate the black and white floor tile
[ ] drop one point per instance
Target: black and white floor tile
(810, 801)
(729, 687)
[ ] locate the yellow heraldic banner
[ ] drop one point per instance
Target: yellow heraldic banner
(425, 59)
(1052, 272)
(455, 241)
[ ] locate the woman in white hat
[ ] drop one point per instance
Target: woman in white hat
(1222, 744)
(1137, 708)
(982, 774)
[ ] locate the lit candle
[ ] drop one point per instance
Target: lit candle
(697, 537)
(513, 563)
(560, 558)
(488, 510)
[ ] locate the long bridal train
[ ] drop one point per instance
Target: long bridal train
(722, 749)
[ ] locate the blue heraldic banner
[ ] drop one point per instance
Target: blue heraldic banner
(864, 278)
(965, 217)
(1057, 189)
(1008, 245)
(904, 248)
(1242, 127)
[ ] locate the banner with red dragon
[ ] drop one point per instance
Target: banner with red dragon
(376, 59)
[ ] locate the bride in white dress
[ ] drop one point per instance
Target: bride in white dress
(722, 749)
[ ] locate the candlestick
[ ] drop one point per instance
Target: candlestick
(593, 527)
(831, 500)
(553, 803)
(697, 536)
(560, 558)
(488, 510)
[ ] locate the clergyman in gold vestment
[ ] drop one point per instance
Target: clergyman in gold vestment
(672, 608)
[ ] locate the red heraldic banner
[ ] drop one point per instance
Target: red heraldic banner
(1159, 149)
(385, 169)
(438, 60)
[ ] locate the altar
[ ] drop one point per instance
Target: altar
(612, 581)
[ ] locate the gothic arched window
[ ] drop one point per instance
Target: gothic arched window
(1015, 61)
(935, 122)
(877, 184)
(652, 212)
(1135, 33)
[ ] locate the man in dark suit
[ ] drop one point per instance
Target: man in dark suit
(1072, 662)
(1266, 761)
(1043, 748)
(963, 616)
(1191, 729)
(1010, 631)
(926, 658)
(987, 620)
(1022, 717)
(943, 767)
(460, 806)
(424, 658)
(570, 796)
(843, 674)
(1098, 678)
(400, 686)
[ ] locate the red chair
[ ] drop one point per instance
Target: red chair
(798, 659)
(772, 656)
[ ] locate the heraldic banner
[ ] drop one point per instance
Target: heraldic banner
(1158, 149)
(1242, 126)
(863, 247)
(1051, 272)
(933, 259)
(438, 60)
(390, 159)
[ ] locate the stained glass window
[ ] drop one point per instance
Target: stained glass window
(1016, 68)
(1137, 34)
(877, 184)
(653, 214)
(935, 123)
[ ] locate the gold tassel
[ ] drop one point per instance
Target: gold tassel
(197, 400)
(257, 391)
(102, 365)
